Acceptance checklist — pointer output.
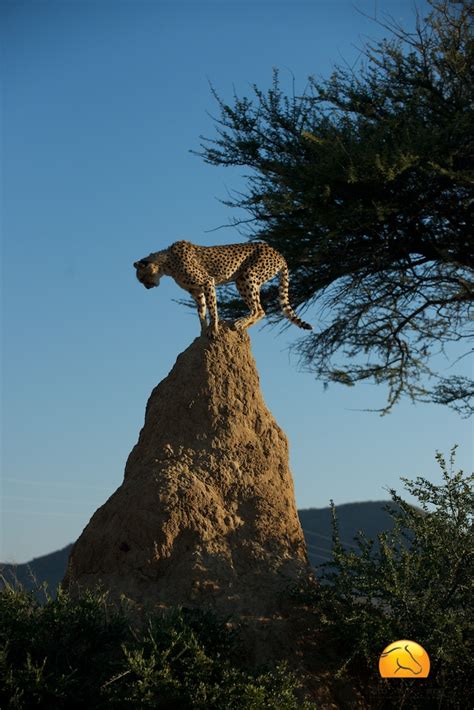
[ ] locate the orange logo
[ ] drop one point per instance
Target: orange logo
(404, 659)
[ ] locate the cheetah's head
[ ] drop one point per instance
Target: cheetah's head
(148, 273)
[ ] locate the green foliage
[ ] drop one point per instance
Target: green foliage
(417, 584)
(365, 184)
(84, 653)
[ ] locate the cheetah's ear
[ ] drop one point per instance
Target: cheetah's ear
(138, 264)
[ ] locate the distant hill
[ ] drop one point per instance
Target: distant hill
(369, 516)
(48, 568)
(316, 523)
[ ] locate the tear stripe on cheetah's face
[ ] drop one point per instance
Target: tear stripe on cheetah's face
(199, 269)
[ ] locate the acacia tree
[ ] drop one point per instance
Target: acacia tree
(364, 183)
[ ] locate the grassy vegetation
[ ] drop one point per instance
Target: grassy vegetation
(417, 583)
(84, 653)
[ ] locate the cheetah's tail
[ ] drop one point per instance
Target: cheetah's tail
(288, 312)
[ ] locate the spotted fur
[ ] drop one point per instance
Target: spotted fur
(199, 269)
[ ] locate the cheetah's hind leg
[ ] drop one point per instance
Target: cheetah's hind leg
(250, 292)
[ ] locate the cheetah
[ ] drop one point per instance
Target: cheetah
(198, 269)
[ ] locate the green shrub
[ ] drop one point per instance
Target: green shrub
(417, 584)
(84, 653)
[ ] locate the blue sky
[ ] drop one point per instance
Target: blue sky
(102, 103)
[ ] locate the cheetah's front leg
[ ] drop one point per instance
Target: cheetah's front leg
(211, 302)
(201, 306)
